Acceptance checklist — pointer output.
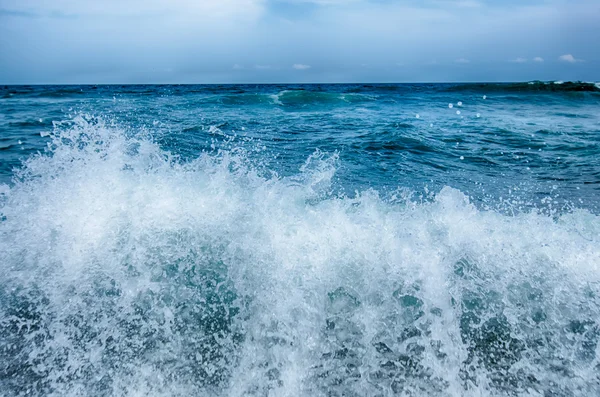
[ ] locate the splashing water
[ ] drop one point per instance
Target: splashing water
(127, 271)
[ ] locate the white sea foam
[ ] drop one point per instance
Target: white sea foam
(128, 272)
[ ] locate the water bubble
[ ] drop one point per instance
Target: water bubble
(478, 115)
(485, 97)
(450, 106)
(417, 115)
(41, 120)
(462, 157)
(431, 125)
(458, 112)
(20, 143)
(459, 103)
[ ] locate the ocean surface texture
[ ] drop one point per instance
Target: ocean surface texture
(300, 240)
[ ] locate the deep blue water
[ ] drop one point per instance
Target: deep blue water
(525, 141)
(414, 239)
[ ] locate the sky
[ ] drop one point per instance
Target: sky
(269, 41)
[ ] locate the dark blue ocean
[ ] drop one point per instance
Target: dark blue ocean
(300, 240)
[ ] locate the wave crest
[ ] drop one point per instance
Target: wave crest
(126, 271)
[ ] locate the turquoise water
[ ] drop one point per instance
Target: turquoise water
(306, 240)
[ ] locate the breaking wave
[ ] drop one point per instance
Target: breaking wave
(126, 271)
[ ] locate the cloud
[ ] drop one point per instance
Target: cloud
(18, 13)
(569, 58)
(519, 60)
(538, 59)
(459, 3)
(212, 8)
(299, 66)
(201, 40)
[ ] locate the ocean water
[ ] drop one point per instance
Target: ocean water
(300, 240)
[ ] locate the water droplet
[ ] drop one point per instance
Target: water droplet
(485, 97)
(459, 103)
(431, 125)
(41, 120)
(478, 115)
(20, 143)
(462, 157)
(450, 106)
(458, 112)
(417, 115)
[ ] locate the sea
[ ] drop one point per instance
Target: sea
(300, 240)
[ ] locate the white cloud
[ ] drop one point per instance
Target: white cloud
(300, 66)
(156, 8)
(569, 58)
(469, 4)
(129, 40)
(538, 59)
(519, 60)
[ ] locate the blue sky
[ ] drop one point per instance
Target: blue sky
(210, 41)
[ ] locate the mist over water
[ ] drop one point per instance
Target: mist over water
(139, 259)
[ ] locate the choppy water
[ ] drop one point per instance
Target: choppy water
(334, 240)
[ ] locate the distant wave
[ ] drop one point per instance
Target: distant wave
(293, 98)
(532, 86)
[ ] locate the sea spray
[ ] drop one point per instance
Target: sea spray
(127, 271)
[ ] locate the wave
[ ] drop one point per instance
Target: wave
(532, 86)
(42, 91)
(292, 98)
(305, 97)
(125, 271)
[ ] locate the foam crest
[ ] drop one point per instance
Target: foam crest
(126, 271)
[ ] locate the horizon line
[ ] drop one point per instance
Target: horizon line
(558, 81)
